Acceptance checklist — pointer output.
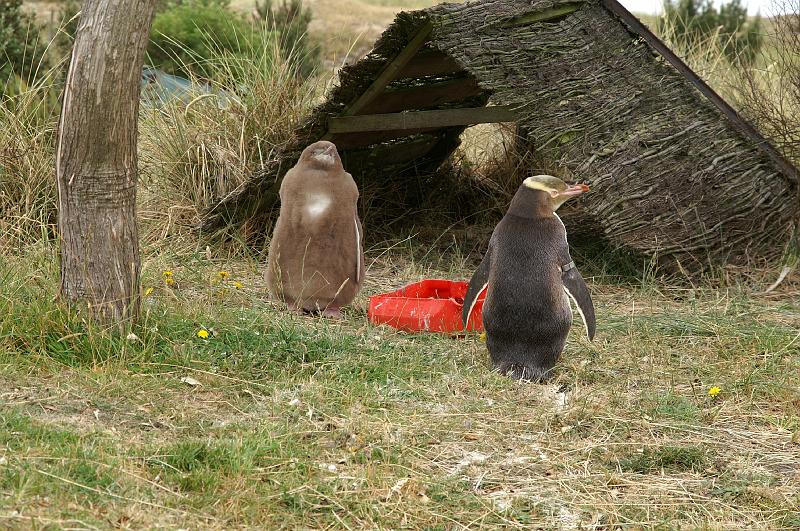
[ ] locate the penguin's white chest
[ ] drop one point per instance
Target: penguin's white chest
(317, 204)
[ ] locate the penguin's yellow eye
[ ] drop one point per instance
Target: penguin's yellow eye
(553, 193)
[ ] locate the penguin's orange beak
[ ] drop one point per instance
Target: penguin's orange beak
(572, 191)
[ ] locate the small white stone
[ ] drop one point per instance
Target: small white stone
(3, 460)
(132, 337)
(294, 402)
(188, 380)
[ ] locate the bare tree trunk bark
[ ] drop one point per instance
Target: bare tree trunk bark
(96, 162)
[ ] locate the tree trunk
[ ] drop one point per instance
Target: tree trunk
(96, 162)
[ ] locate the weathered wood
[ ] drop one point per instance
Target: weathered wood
(96, 162)
(390, 72)
(390, 155)
(636, 27)
(430, 63)
(424, 96)
(420, 119)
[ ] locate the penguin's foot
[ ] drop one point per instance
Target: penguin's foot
(524, 373)
(333, 313)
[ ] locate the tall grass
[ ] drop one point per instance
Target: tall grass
(706, 55)
(28, 124)
(193, 149)
(197, 149)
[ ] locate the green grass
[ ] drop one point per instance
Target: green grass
(672, 458)
(281, 421)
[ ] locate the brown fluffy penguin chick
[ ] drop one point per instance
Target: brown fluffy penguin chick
(316, 259)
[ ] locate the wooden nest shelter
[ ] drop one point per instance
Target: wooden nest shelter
(675, 172)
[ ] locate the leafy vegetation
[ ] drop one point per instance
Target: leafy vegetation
(21, 50)
(186, 37)
(291, 20)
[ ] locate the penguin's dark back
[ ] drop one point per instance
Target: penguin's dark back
(526, 261)
(526, 302)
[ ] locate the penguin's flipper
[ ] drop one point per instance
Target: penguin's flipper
(476, 285)
(577, 290)
(359, 250)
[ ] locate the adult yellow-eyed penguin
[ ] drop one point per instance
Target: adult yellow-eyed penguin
(316, 259)
(529, 278)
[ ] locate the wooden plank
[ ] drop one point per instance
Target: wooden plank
(544, 15)
(390, 72)
(430, 63)
(420, 119)
(424, 96)
(637, 28)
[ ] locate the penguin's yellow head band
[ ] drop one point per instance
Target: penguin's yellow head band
(559, 190)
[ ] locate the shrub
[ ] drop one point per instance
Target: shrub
(22, 52)
(185, 37)
(696, 20)
(291, 21)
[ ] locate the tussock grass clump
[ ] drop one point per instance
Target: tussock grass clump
(196, 149)
(28, 124)
(653, 460)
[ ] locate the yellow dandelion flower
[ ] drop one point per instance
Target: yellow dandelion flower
(169, 281)
(202, 333)
(238, 285)
(167, 274)
(223, 275)
(714, 391)
(148, 292)
(482, 336)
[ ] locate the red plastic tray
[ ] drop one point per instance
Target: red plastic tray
(426, 306)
